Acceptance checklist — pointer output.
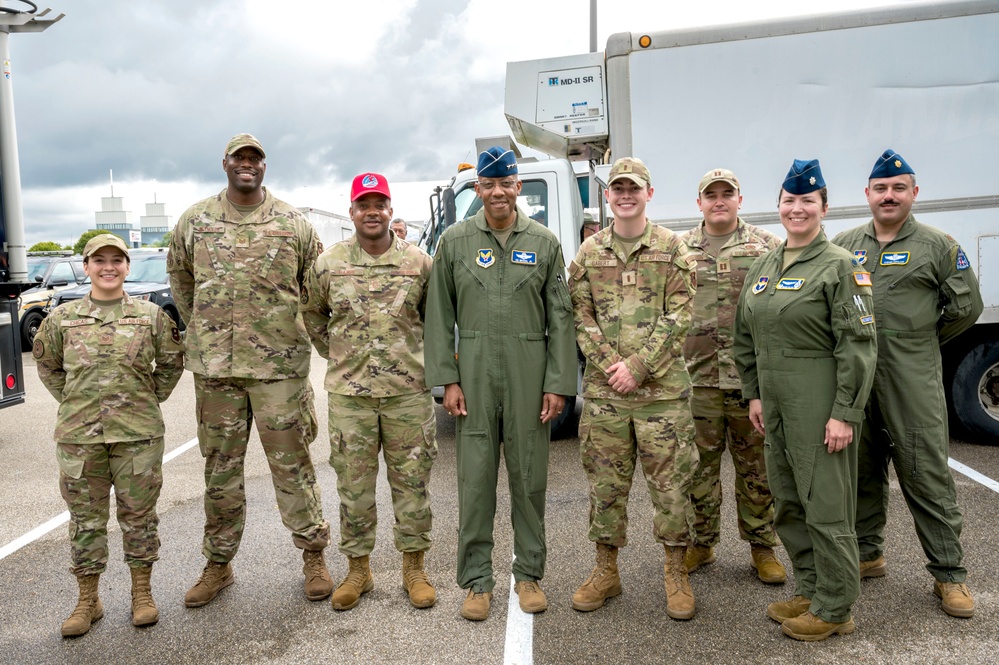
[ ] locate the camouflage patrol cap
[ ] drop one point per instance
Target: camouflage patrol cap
(243, 141)
(717, 175)
(631, 168)
(104, 240)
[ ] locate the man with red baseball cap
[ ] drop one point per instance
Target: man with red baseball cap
(378, 398)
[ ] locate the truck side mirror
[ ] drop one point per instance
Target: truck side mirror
(449, 210)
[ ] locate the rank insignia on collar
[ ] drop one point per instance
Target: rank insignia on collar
(894, 258)
(860, 255)
(790, 284)
(761, 284)
(485, 258)
(525, 258)
(962, 260)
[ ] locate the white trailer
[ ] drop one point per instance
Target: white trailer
(920, 78)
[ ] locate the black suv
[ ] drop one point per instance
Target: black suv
(147, 279)
(51, 271)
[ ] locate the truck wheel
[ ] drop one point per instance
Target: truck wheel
(563, 427)
(29, 328)
(974, 391)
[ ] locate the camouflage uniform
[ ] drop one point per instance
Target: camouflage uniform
(236, 281)
(365, 316)
(109, 369)
(635, 309)
(720, 413)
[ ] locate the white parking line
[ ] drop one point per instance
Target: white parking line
(63, 517)
(519, 647)
(974, 475)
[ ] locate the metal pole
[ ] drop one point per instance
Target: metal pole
(9, 169)
(593, 26)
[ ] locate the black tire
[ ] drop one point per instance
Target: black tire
(29, 327)
(973, 390)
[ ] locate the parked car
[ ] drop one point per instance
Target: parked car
(147, 279)
(53, 272)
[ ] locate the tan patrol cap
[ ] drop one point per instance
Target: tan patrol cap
(104, 240)
(631, 168)
(718, 175)
(243, 141)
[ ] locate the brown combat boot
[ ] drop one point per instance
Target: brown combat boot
(768, 568)
(783, 610)
(357, 582)
(532, 598)
(873, 568)
(810, 628)
(215, 577)
(476, 605)
(955, 599)
(603, 583)
(679, 595)
(698, 556)
(318, 583)
(88, 608)
(144, 612)
(416, 582)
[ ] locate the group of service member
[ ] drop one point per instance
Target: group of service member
(796, 318)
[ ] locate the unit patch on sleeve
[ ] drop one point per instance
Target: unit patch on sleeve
(862, 278)
(962, 260)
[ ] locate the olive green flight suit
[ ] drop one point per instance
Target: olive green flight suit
(805, 345)
(925, 293)
(515, 342)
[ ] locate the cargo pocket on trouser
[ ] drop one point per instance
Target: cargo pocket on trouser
(429, 427)
(137, 483)
(924, 464)
(308, 424)
(88, 513)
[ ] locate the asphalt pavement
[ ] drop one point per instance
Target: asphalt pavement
(265, 618)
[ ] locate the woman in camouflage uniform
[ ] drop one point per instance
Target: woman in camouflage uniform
(109, 360)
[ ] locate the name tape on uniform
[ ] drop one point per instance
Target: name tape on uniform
(790, 284)
(894, 258)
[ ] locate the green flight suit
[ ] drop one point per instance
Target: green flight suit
(925, 293)
(515, 342)
(805, 345)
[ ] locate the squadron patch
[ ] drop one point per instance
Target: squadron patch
(895, 258)
(862, 278)
(962, 260)
(38, 348)
(860, 255)
(867, 319)
(761, 284)
(175, 334)
(305, 295)
(485, 258)
(524, 258)
(790, 284)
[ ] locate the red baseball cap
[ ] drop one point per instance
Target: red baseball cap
(367, 183)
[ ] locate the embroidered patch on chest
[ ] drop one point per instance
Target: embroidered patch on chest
(790, 284)
(894, 258)
(761, 284)
(485, 258)
(525, 258)
(860, 255)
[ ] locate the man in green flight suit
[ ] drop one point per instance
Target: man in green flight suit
(925, 294)
(501, 278)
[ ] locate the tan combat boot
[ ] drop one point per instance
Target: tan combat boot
(476, 605)
(318, 583)
(144, 612)
(783, 610)
(215, 577)
(873, 568)
(698, 556)
(532, 598)
(768, 568)
(810, 628)
(358, 581)
(603, 583)
(88, 608)
(415, 581)
(955, 599)
(679, 595)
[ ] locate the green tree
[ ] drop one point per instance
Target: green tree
(84, 239)
(164, 241)
(45, 246)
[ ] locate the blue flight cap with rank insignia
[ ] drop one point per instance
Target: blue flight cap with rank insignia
(889, 165)
(496, 163)
(804, 177)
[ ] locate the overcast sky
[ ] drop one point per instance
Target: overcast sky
(154, 89)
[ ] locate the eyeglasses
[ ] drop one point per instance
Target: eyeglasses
(490, 185)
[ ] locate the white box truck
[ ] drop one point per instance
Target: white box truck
(920, 78)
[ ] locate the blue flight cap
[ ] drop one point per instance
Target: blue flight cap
(889, 165)
(496, 163)
(804, 177)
